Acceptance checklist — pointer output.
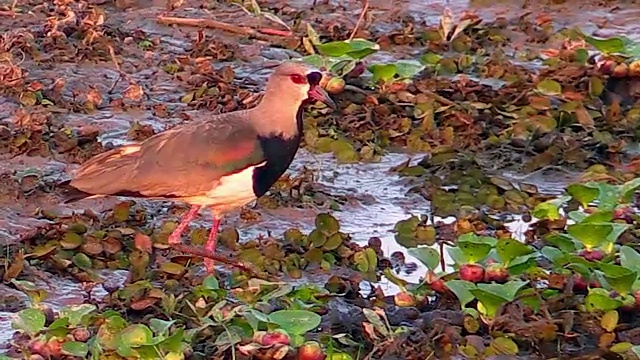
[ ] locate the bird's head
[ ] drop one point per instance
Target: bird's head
(298, 83)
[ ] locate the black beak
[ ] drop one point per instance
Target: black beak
(317, 93)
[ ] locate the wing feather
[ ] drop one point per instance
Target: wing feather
(180, 162)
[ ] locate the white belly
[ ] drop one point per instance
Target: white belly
(231, 192)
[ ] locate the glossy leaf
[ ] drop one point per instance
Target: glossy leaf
(462, 290)
(75, 313)
(75, 348)
(599, 299)
(430, 257)
(509, 249)
(582, 193)
(591, 235)
(30, 320)
(295, 321)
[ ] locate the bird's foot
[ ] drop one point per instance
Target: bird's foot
(175, 236)
(210, 245)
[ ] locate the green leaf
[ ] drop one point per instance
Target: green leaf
(159, 326)
(295, 321)
(430, 257)
(334, 48)
(361, 261)
(75, 313)
(136, 335)
(211, 283)
(628, 189)
(384, 72)
(620, 278)
(75, 348)
(327, 224)
(407, 69)
(344, 151)
(546, 210)
(59, 323)
(231, 336)
(430, 58)
(506, 291)
(31, 321)
(549, 87)
(599, 216)
(629, 258)
(582, 193)
(361, 48)
(606, 46)
(492, 296)
(509, 249)
(563, 242)
(174, 342)
(475, 248)
(82, 261)
(314, 60)
(557, 257)
(462, 290)
(108, 333)
(590, 235)
(599, 299)
(608, 195)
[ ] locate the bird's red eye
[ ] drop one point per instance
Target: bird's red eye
(298, 79)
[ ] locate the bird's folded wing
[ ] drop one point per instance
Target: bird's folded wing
(187, 161)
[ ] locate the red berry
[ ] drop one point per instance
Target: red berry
(579, 285)
(275, 337)
(592, 255)
(472, 272)
(311, 350)
(497, 273)
(438, 286)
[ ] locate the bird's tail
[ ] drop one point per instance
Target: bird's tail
(71, 193)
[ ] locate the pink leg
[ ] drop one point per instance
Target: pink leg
(174, 238)
(210, 246)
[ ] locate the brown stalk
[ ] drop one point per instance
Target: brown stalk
(365, 8)
(214, 24)
(202, 253)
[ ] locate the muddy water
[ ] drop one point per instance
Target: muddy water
(381, 196)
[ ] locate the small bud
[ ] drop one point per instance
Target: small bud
(404, 299)
(335, 86)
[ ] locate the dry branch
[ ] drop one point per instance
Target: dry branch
(262, 34)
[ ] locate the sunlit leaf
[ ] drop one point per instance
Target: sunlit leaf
(462, 290)
(295, 321)
(430, 257)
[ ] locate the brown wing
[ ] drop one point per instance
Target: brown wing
(180, 162)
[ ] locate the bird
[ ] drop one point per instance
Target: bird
(220, 162)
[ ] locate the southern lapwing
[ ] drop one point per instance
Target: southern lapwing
(222, 162)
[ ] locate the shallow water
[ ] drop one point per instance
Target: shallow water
(384, 193)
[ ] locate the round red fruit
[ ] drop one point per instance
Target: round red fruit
(311, 350)
(472, 272)
(275, 337)
(497, 273)
(592, 255)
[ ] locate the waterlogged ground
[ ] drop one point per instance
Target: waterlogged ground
(157, 83)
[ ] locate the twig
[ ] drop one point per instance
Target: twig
(202, 253)
(8, 13)
(440, 98)
(365, 7)
(213, 24)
